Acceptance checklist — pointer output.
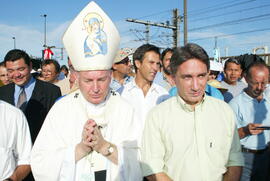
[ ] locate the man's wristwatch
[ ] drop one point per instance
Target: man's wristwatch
(110, 150)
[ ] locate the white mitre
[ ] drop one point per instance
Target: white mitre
(91, 40)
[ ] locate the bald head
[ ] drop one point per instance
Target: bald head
(257, 77)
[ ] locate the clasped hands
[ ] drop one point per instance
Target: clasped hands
(92, 138)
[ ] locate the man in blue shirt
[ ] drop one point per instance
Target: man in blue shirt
(253, 120)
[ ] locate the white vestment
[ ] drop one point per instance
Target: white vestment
(53, 154)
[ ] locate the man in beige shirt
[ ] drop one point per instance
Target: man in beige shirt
(191, 137)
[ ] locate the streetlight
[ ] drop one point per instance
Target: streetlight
(44, 15)
(14, 41)
(185, 23)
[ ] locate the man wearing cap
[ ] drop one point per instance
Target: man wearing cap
(88, 135)
(232, 70)
(121, 69)
(215, 69)
(191, 136)
(251, 108)
(213, 86)
(164, 78)
(142, 93)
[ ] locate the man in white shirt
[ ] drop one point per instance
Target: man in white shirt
(233, 71)
(88, 135)
(15, 143)
(142, 93)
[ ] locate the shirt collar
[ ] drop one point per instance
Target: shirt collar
(187, 107)
(28, 87)
(249, 98)
(133, 84)
(100, 105)
(207, 89)
(96, 111)
(163, 75)
(32, 80)
(126, 78)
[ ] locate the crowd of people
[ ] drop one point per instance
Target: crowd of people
(132, 114)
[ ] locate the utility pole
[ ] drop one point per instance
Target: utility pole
(185, 23)
(176, 23)
(62, 53)
(216, 51)
(147, 33)
(14, 42)
(174, 27)
(44, 15)
(226, 51)
(216, 42)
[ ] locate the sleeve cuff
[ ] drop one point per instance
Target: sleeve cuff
(236, 159)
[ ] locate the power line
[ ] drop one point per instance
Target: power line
(154, 14)
(254, 43)
(164, 42)
(230, 22)
(213, 9)
(128, 42)
(154, 34)
(215, 6)
(238, 33)
(174, 27)
(136, 33)
(229, 13)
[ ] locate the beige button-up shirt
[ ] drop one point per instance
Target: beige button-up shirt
(191, 144)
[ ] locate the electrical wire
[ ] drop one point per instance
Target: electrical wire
(228, 13)
(210, 7)
(207, 10)
(231, 34)
(229, 22)
(154, 14)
